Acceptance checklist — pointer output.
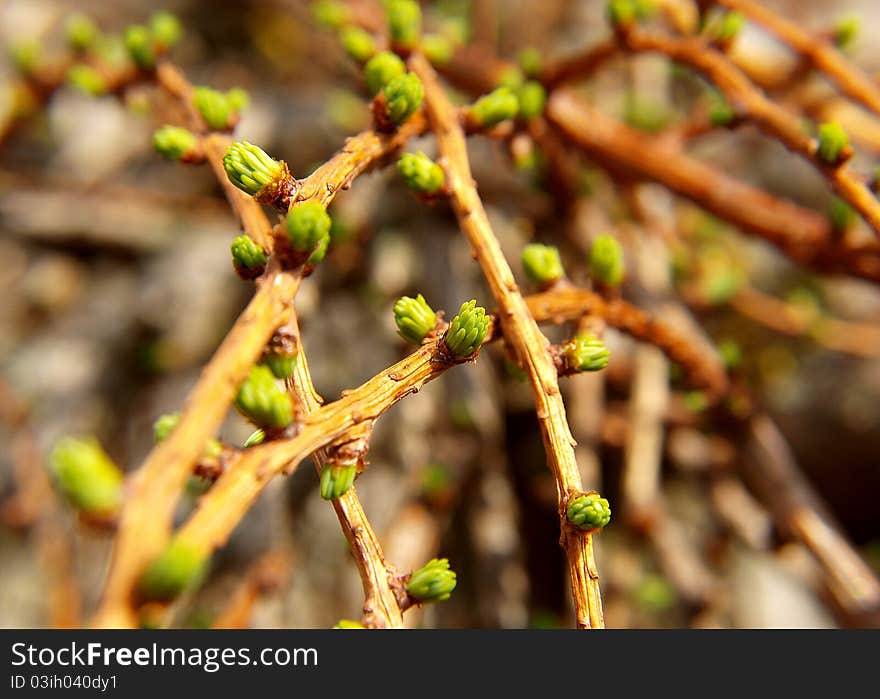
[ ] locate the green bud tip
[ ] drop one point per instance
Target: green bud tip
(337, 479)
(177, 568)
(80, 31)
(250, 168)
(467, 330)
(606, 260)
(381, 69)
(214, 108)
(87, 80)
(589, 512)
(511, 77)
(263, 401)
(840, 214)
(330, 14)
(167, 29)
(238, 99)
(404, 22)
(720, 111)
(530, 61)
(532, 97)
(833, 142)
(414, 318)
(164, 426)
(846, 30)
(499, 105)
(437, 48)
(726, 27)
(256, 437)
(139, 44)
(281, 365)
(586, 353)
(433, 582)
(542, 264)
(349, 624)
(308, 229)
(622, 13)
(403, 97)
(421, 173)
(357, 43)
(174, 142)
(248, 258)
(26, 55)
(86, 475)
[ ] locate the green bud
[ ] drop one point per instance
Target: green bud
(238, 99)
(542, 264)
(282, 365)
(606, 260)
(720, 111)
(382, 69)
(80, 32)
(256, 437)
(167, 29)
(731, 353)
(248, 258)
(644, 114)
(840, 214)
(467, 330)
(177, 568)
(213, 107)
(337, 479)
(437, 48)
(87, 80)
(263, 401)
(357, 43)
(213, 449)
(421, 173)
(250, 168)
(833, 142)
(414, 318)
(846, 30)
(349, 624)
(404, 22)
(26, 55)
(174, 142)
(586, 353)
(433, 582)
(86, 475)
(164, 426)
(499, 105)
(308, 229)
(329, 13)
(620, 13)
(721, 284)
(726, 27)
(589, 512)
(530, 61)
(139, 44)
(696, 401)
(532, 97)
(511, 77)
(403, 97)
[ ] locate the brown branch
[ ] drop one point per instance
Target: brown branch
(265, 576)
(522, 333)
(817, 50)
(754, 105)
(580, 65)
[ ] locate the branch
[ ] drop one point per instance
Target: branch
(521, 332)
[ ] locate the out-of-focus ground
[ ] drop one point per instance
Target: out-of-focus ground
(116, 286)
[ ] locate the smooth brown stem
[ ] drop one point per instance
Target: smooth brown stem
(580, 65)
(523, 335)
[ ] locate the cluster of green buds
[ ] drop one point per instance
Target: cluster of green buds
(433, 582)
(624, 13)
(255, 172)
(404, 23)
(145, 43)
(86, 79)
(280, 354)
(337, 479)
(26, 55)
(532, 97)
(308, 230)
(80, 32)
(86, 476)
(248, 258)
(589, 512)
(330, 14)
(586, 352)
(530, 61)
(382, 69)
(421, 174)
(720, 111)
(606, 260)
(177, 143)
(179, 567)
(833, 148)
(499, 105)
(725, 26)
(841, 214)
(542, 264)
(263, 401)
(467, 331)
(220, 110)
(845, 30)
(414, 318)
(399, 100)
(438, 49)
(358, 43)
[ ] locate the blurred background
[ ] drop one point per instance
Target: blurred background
(116, 286)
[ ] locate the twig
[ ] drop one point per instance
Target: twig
(266, 576)
(580, 65)
(522, 333)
